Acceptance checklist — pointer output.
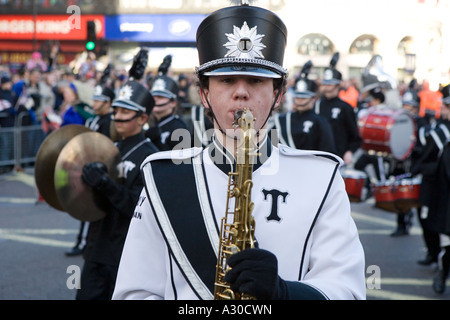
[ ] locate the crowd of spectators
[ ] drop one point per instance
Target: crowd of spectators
(44, 94)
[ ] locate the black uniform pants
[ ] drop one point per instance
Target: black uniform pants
(444, 261)
(97, 281)
(431, 238)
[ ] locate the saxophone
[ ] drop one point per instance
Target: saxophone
(237, 231)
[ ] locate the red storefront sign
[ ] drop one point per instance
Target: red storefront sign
(49, 27)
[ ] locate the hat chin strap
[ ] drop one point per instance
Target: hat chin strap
(128, 120)
(257, 132)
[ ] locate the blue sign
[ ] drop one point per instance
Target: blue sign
(152, 27)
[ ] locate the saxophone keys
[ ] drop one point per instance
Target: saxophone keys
(233, 231)
(234, 249)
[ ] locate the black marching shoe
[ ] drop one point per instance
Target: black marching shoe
(439, 282)
(75, 251)
(427, 261)
(400, 232)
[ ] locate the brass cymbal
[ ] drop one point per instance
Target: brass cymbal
(77, 198)
(113, 131)
(46, 157)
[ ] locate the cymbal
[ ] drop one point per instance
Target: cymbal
(46, 157)
(77, 198)
(114, 135)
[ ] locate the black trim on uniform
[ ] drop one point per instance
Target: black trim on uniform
(174, 288)
(194, 240)
(328, 156)
(209, 197)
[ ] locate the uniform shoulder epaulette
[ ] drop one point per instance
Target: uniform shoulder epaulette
(288, 151)
(176, 155)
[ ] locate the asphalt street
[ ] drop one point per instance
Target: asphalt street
(34, 238)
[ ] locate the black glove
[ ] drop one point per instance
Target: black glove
(255, 272)
(95, 174)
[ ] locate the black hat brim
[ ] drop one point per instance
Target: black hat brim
(411, 103)
(243, 71)
(163, 93)
(100, 98)
(304, 95)
(331, 81)
(127, 104)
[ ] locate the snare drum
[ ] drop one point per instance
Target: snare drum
(354, 183)
(384, 196)
(406, 193)
(389, 131)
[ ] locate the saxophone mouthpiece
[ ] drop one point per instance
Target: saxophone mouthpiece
(237, 116)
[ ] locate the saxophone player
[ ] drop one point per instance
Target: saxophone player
(307, 243)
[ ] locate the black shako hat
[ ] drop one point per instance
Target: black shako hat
(331, 76)
(377, 93)
(410, 97)
(103, 93)
(305, 88)
(164, 86)
(134, 96)
(242, 40)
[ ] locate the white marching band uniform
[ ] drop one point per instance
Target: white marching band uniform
(312, 218)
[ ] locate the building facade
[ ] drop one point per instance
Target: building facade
(409, 35)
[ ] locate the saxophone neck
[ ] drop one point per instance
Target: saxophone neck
(244, 136)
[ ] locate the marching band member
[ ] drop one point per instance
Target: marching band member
(339, 113)
(373, 165)
(411, 103)
(303, 128)
(101, 122)
(441, 210)
(434, 196)
(308, 244)
(164, 120)
(106, 236)
(163, 134)
(102, 101)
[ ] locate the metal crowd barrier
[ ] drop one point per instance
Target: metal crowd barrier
(20, 144)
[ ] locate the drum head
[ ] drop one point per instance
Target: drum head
(402, 136)
(388, 131)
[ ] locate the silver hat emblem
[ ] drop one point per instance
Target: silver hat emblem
(159, 85)
(408, 96)
(301, 86)
(126, 92)
(244, 43)
(98, 90)
(328, 74)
